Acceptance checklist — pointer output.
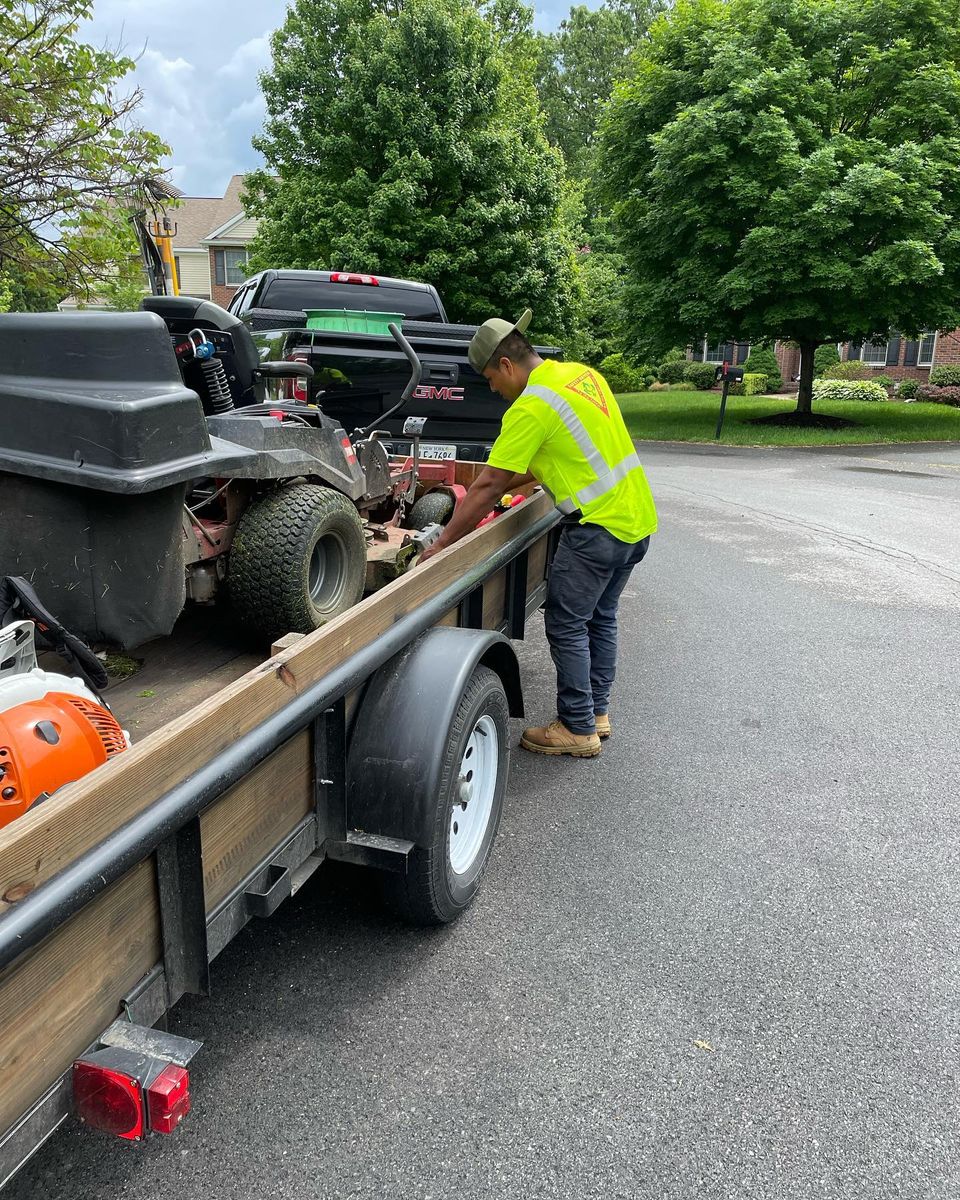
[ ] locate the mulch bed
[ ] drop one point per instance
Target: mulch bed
(799, 420)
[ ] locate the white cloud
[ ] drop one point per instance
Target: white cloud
(249, 59)
(198, 74)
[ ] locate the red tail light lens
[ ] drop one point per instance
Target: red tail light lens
(296, 389)
(352, 277)
(108, 1100)
(168, 1099)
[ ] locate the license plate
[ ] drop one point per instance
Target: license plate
(432, 450)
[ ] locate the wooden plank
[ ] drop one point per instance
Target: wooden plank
(494, 594)
(200, 657)
(59, 998)
(537, 563)
(241, 829)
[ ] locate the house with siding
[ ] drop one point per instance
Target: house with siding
(211, 243)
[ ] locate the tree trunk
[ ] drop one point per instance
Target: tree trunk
(805, 395)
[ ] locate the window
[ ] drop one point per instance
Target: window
(730, 352)
(240, 301)
(874, 356)
(927, 348)
(292, 295)
(231, 266)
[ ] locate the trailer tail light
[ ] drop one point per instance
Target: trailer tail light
(106, 1099)
(352, 277)
(168, 1099)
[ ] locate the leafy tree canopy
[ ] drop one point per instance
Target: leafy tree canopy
(68, 147)
(578, 67)
(408, 140)
(789, 169)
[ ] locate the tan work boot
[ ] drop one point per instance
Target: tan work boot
(556, 738)
(603, 726)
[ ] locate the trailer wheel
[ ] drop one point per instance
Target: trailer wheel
(299, 559)
(435, 508)
(444, 876)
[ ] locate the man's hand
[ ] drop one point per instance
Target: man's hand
(484, 492)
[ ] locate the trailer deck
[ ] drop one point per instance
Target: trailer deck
(117, 892)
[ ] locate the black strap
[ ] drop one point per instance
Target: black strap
(18, 601)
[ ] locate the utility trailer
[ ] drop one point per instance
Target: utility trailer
(380, 740)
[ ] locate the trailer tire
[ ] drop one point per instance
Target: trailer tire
(444, 876)
(435, 508)
(298, 559)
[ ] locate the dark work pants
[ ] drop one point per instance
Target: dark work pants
(590, 569)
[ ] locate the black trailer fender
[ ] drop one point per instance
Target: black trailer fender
(403, 726)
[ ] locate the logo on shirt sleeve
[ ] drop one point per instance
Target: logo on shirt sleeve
(588, 386)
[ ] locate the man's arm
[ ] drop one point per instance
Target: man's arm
(484, 492)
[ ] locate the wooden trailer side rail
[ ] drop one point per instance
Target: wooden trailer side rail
(57, 997)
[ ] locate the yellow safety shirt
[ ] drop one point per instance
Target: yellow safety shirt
(567, 430)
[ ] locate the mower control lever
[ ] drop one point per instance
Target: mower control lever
(290, 369)
(416, 370)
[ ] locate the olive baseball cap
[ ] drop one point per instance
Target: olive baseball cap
(489, 336)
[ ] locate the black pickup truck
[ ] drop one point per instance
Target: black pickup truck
(358, 376)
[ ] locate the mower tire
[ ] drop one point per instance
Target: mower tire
(435, 508)
(298, 559)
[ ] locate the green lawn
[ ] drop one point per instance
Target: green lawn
(692, 417)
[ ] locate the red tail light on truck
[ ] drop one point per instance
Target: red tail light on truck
(296, 389)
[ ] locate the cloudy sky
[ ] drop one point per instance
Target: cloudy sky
(198, 72)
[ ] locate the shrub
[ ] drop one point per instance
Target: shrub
(702, 375)
(945, 376)
(848, 389)
(649, 381)
(824, 356)
(940, 395)
(754, 384)
(657, 386)
(762, 361)
(672, 371)
(884, 380)
(620, 374)
(647, 368)
(735, 389)
(907, 389)
(683, 386)
(848, 370)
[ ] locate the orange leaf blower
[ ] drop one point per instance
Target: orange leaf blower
(53, 728)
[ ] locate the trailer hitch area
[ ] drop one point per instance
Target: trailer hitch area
(414, 543)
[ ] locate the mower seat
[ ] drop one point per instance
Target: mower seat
(237, 350)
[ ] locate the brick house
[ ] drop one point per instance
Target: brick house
(211, 243)
(898, 358)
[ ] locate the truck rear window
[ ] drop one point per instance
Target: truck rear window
(292, 294)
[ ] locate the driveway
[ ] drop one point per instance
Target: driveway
(718, 961)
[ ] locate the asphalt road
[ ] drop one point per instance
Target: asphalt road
(718, 961)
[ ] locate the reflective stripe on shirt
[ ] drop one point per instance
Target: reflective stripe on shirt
(607, 477)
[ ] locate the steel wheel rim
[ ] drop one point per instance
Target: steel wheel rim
(476, 788)
(327, 573)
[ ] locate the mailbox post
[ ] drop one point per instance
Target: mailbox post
(729, 374)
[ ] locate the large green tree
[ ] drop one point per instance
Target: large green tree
(791, 169)
(578, 66)
(69, 147)
(407, 140)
